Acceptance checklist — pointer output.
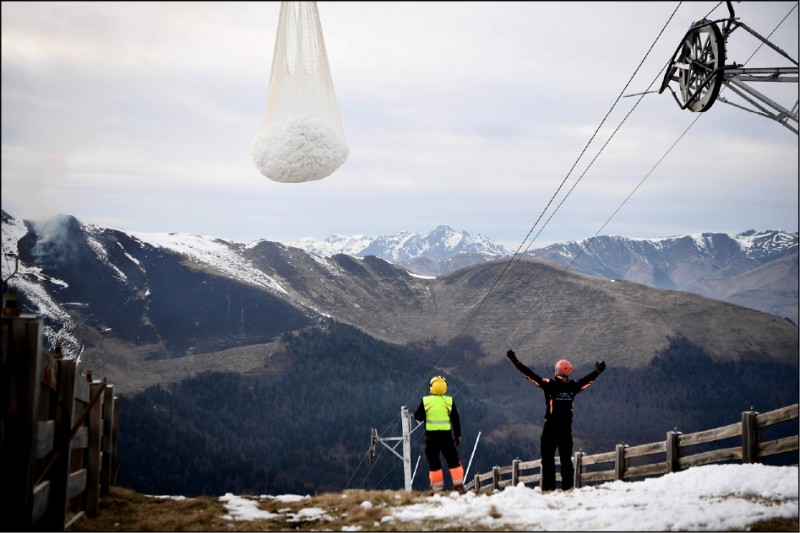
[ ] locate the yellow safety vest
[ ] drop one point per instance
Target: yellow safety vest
(437, 412)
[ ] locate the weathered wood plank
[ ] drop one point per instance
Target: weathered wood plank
(778, 415)
(602, 475)
(714, 456)
(49, 372)
(81, 438)
(786, 444)
(597, 458)
(41, 495)
(646, 449)
(72, 520)
(76, 483)
(526, 465)
(81, 390)
(502, 470)
(646, 470)
(44, 438)
(709, 435)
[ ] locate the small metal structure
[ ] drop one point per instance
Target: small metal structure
(9, 296)
(698, 66)
(405, 418)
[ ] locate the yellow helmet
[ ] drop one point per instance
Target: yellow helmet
(438, 385)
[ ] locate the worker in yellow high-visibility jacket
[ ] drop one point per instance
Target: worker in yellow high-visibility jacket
(442, 434)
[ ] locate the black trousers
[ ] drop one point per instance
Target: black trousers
(440, 442)
(557, 437)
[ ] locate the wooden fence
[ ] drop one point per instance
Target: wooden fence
(657, 458)
(58, 433)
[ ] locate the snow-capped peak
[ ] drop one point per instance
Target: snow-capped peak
(441, 243)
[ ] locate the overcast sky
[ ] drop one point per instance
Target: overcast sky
(141, 116)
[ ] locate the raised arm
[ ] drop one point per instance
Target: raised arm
(527, 372)
(589, 378)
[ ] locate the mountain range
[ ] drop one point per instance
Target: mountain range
(156, 297)
(755, 269)
(191, 329)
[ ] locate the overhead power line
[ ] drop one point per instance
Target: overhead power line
(509, 265)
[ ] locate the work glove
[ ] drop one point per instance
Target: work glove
(457, 441)
(511, 355)
(600, 366)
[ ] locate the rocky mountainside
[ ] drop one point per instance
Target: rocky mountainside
(753, 269)
(758, 270)
(154, 307)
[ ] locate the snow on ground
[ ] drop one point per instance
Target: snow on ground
(705, 498)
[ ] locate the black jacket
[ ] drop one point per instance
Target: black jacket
(559, 396)
(455, 422)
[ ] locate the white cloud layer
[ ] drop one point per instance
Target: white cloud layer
(470, 114)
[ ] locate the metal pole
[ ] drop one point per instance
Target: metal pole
(473, 455)
(414, 475)
(404, 417)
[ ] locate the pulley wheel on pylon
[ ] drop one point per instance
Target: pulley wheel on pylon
(700, 65)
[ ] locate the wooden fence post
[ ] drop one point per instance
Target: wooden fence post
(95, 436)
(673, 451)
(477, 484)
(619, 462)
(750, 436)
(541, 476)
(54, 519)
(495, 478)
(515, 472)
(20, 384)
(76, 485)
(107, 440)
(115, 447)
(578, 460)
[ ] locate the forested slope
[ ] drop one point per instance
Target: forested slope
(305, 428)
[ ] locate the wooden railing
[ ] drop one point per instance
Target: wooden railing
(58, 433)
(670, 455)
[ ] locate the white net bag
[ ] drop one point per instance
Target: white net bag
(301, 136)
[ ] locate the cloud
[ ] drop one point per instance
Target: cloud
(468, 114)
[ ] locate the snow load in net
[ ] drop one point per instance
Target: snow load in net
(301, 136)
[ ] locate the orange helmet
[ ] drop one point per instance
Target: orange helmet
(563, 368)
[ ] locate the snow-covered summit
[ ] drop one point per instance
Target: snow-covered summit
(441, 243)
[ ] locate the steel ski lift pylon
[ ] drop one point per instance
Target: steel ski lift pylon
(405, 418)
(698, 66)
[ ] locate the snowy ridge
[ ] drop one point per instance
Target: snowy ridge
(441, 243)
(101, 252)
(754, 243)
(757, 244)
(215, 252)
(335, 244)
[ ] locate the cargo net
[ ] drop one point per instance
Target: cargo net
(301, 136)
